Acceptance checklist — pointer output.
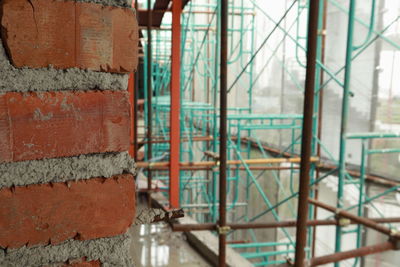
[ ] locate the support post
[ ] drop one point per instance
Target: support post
(304, 190)
(131, 91)
(174, 166)
(135, 115)
(223, 133)
(149, 95)
(135, 104)
(344, 116)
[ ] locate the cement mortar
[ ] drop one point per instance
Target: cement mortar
(50, 79)
(111, 252)
(119, 3)
(65, 169)
(147, 215)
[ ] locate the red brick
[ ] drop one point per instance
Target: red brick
(58, 124)
(68, 34)
(52, 213)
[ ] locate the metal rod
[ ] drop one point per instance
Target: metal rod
(197, 12)
(234, 168)
(322, 166)
(235, 242)
(289, 223)
(174, 172)
(320, 112)
(152, 165)
(131, 91)
(364, 251)
(369, 177)
(361, 220)
(194, 139)
(344, 116)
(135, 107)
(149, 95)
(223, 133)
(306, 149)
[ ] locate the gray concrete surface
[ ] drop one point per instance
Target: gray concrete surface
(120, 3)
(112, 251)
(155, 245)
(65, 169)
(50, 79)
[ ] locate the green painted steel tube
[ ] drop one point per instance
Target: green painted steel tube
(265, 244)
(263, 254)
(344, 116)
(363, 23)
(370, 27)
(361, 198)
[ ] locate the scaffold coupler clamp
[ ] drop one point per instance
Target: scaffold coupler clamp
(344, 222)
(151, 165)
(216, 167)
(223, 230)
(341, 221)
(395, 238)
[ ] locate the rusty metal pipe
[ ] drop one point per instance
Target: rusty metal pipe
(306, 150)
(364, 251)
(229, 162)
(209, 168)
(135, 108)
(223, 133)
(361, 220)
(320, 117)
(289, 223)
(149, 95)
(194, 139)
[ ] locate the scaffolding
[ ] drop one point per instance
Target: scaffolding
(252, 149)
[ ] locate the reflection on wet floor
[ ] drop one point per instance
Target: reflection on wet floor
(156, 245)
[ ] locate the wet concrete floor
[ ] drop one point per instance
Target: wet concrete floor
(155, 245)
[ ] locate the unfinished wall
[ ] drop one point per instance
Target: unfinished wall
(67, 192)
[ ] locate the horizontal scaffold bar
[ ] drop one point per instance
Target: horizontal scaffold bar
(194, 139)
(361, 220)
(233, 168)
(372, 135)
(154, 165)
(290, 223)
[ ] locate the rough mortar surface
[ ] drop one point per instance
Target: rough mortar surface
(118, 3)
(50, 79)
(65, 169)
(147, 215)
(112, 252)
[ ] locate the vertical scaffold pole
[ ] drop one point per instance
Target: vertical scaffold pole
(135, 105)
(149, 94)
(174, 171)
(131, 90)
(343, 127)
(223, 132)
(306, 145)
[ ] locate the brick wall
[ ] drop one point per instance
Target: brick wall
(67, 192)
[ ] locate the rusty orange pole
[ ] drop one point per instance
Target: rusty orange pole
(131, 91)
(174, 170)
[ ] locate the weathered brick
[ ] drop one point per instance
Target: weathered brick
(52, 213)
(66, 34)
(50, 125)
